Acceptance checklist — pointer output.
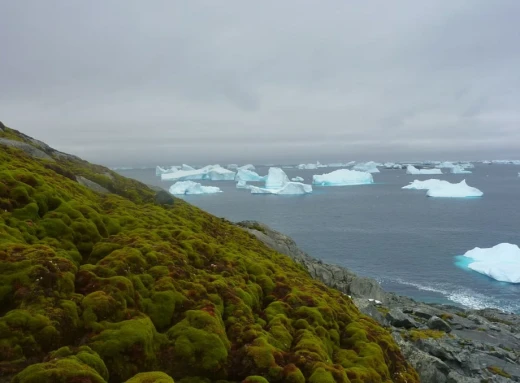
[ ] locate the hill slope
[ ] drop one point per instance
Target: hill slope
(100, 286)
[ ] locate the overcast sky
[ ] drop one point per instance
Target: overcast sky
(137, 82)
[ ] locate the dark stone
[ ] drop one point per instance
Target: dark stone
(436, 323)
(398, 319)
(91, 185)
(27, 148)
(164, 198)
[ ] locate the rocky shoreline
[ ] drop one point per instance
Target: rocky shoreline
(443, 343)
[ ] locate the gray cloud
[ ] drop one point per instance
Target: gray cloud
(132, 82)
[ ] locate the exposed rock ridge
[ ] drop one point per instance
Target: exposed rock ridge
(443, 343)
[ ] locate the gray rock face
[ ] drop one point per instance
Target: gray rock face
(398, 319)
(91, 185)
(436, 323)
(162, 197)
(457, 345)
(29, 149)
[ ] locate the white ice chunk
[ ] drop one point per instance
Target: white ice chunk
(293, 188)
(445, 165)
(187, 167)
(276, 179)
(458, 169)
(426, 184)
(241, 184)
(210, 172)
(247, 167)
(342, 177)
(190, 187)
(340, 164)
(392, 165)
(369, 167)
(160, 170)
(459, 190)
(232, 166)
(413, 170)
(307, 166)
(248, 175)
(297, 179)
(500, 262)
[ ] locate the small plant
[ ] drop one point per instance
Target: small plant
(498, 371)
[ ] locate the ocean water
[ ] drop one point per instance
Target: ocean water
(405, 240)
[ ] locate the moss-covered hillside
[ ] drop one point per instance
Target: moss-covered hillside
(114, 288)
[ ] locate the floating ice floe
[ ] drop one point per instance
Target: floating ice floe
(413, 170)
(297, 179)
(426, 184)
(486, 162)
(340, 164)
(277, 182)
(449, 190)
(343, 177)
(190, 187)
(500, 262)
(458, 169)
(248, 175)
(392, 165)
(232, 167)
(243, 185)
(185, 167)
(506, 162)
(210, 172)
(369, 167)
(307, 166)
(292, 188)
(162, 170)
(247, 167)
(445, 165)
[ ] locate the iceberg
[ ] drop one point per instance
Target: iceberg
(460, 190)
(342, 177)
(392, 165)
(486, 162)
(160, 170)
(307, 166)
(190, 187)
(290, 188)
(500, 262)
(340, 164)
(276, 179)
(369, 167)
(413, 170)
(186, 167)
(506, 162)
(248, 175)
(458, 169)
(232, 166)
(426, 185)
(297, 179)
(445, 165)
(247, 167)
(241, 184)
(210, 172)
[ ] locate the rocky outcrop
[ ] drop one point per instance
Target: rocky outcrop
(443, 343)
(27, 148)
(91, 185)
(162, 197)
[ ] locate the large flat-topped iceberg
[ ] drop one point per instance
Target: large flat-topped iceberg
(276, 179)
(340, 164)
(190, 187)
(500, 262)
(290, 188)
(426, 184)
(248, 175)
(449, 190)
(369, 167)
(458, 169)
(210, 172)
(187, 167)
(413, 170)
(342, 177)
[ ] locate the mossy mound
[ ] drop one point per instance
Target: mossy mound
(104, 287)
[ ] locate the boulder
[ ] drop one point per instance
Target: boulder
(399, 319)
(92, 185)
(436, 323)
(27, 148)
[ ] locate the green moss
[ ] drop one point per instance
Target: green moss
(255, 379)
(151, 377)
(414, 335)
(155, 288)
(498, 371)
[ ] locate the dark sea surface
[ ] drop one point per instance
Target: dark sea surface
(402, 238)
